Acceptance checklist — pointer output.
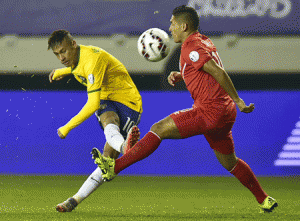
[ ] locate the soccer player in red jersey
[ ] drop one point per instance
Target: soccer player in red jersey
(212, 115)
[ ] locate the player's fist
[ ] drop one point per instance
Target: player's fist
(174, 77)
(243, 107)
(58, 76)
(60, 134)
(51, 76)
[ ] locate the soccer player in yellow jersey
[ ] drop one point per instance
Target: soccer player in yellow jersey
(112, 96)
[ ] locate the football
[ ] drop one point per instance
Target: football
(154, 44)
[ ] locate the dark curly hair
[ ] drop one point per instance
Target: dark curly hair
(188, 15)
(58, 36)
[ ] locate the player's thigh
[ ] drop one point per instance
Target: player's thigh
(166, 129)
(110, 152)
(220, 138)
(109, 117)
(107, 114)
(119, 114)
(189, 122)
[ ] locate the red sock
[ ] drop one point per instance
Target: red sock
(142, 149)
(245, 175)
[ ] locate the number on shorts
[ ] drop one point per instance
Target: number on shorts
(128, 125)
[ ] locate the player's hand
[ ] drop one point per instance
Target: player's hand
(51, 76)
(174, 77)
(60, 134)
(243, 107)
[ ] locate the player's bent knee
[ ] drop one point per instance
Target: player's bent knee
(158, 128)
(109, 117)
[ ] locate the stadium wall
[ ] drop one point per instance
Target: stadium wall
(267, 139)
(239, 54)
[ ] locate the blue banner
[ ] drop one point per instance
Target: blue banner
(107, 17)
(267, 139)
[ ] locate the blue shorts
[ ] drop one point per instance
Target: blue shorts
(127, 116)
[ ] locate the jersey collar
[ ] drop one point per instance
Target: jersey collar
(190, 38)
(78, 57)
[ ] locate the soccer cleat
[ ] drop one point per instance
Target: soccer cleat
(133, 137)
(106, 164)
(67, 206)
(268, 205)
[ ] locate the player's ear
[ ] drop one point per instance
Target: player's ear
(74, 43)
(184, 26)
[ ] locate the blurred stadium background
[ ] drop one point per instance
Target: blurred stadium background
(259, 44)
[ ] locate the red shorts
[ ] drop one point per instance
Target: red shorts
(215, 123)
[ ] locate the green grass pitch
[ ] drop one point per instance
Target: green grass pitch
(146, 198)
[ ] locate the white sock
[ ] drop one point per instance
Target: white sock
(89, 186)
(113, 136)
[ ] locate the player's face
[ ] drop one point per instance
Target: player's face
(66, 53)
(175, 29)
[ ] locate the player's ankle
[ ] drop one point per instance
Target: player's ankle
(78, 199)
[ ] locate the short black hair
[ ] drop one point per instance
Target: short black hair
(58, 36)
(188, 14)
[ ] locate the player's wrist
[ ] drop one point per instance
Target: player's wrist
(64, 131)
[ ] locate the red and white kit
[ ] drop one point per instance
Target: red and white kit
(213, 113)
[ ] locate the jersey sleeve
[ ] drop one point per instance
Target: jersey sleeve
(89, 108)
(61, 71)
(197, 57)
(95, 75)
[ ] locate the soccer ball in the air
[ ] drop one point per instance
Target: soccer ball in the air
(154, 44)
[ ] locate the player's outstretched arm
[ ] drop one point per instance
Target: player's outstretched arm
(224, 80)
(89, 108)
(174, 77)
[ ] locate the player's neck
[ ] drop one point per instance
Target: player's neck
(188, 34)
(77, 57)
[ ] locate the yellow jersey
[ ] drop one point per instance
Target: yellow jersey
(101, 72)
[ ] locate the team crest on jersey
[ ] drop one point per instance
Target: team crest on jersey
(95, 50)
(91, 78)
(194, 56)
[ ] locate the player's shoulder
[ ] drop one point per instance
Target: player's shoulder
(90, 50)
(90, 54)
(199, 43)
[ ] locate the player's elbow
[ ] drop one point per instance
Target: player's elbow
(218, 74)
(95, 107)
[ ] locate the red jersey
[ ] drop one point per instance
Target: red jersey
(196, 50)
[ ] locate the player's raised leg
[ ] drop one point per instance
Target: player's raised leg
(164, 129)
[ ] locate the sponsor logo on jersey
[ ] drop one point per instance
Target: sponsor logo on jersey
(194, 56)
